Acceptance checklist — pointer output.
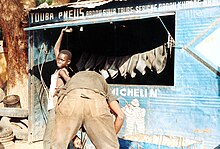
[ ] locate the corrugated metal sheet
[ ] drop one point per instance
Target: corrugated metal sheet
(89, 4)
(78, 4)
(46, 6)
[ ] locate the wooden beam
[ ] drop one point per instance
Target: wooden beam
(14, 112)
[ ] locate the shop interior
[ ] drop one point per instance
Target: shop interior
(117, 40)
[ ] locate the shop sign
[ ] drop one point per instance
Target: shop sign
(52, 15)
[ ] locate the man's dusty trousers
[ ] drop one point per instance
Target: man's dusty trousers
(82, 107)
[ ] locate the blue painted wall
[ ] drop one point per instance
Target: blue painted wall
(193, 78)
(190, 108)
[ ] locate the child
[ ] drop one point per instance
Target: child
(61, 75)
(58, 79)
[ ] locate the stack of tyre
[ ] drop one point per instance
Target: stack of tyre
(6, 137)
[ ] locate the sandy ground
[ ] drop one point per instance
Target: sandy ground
(39, 145)
(26, 145)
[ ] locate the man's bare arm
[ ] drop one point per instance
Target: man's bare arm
(120, 116)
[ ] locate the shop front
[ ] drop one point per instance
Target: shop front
(144, 49)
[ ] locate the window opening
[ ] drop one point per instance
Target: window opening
(136, 52)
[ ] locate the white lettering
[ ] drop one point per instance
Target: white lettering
(32, 17)
(51, 16)
(130, 92)
(149, 8)
(47, 16)
(65, 14)
(134, 92)
(41, 17)
(123, 92)
(71, 14)
(143, 93)
(153, 93)
(36, 17)
(60, 14)
(125, 9)
(115, 91)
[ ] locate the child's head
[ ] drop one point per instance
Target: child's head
(64, 58)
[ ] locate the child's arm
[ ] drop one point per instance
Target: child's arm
(64, 75)
(58, 43)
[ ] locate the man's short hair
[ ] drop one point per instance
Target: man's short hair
(68, 53)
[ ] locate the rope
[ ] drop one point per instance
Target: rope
(164, 25)
(40, 69)
(171, 41)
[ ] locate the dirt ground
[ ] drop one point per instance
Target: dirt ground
(26, 145)
(39, 145)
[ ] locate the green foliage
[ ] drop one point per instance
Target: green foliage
(38, 2)
(49, 1)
